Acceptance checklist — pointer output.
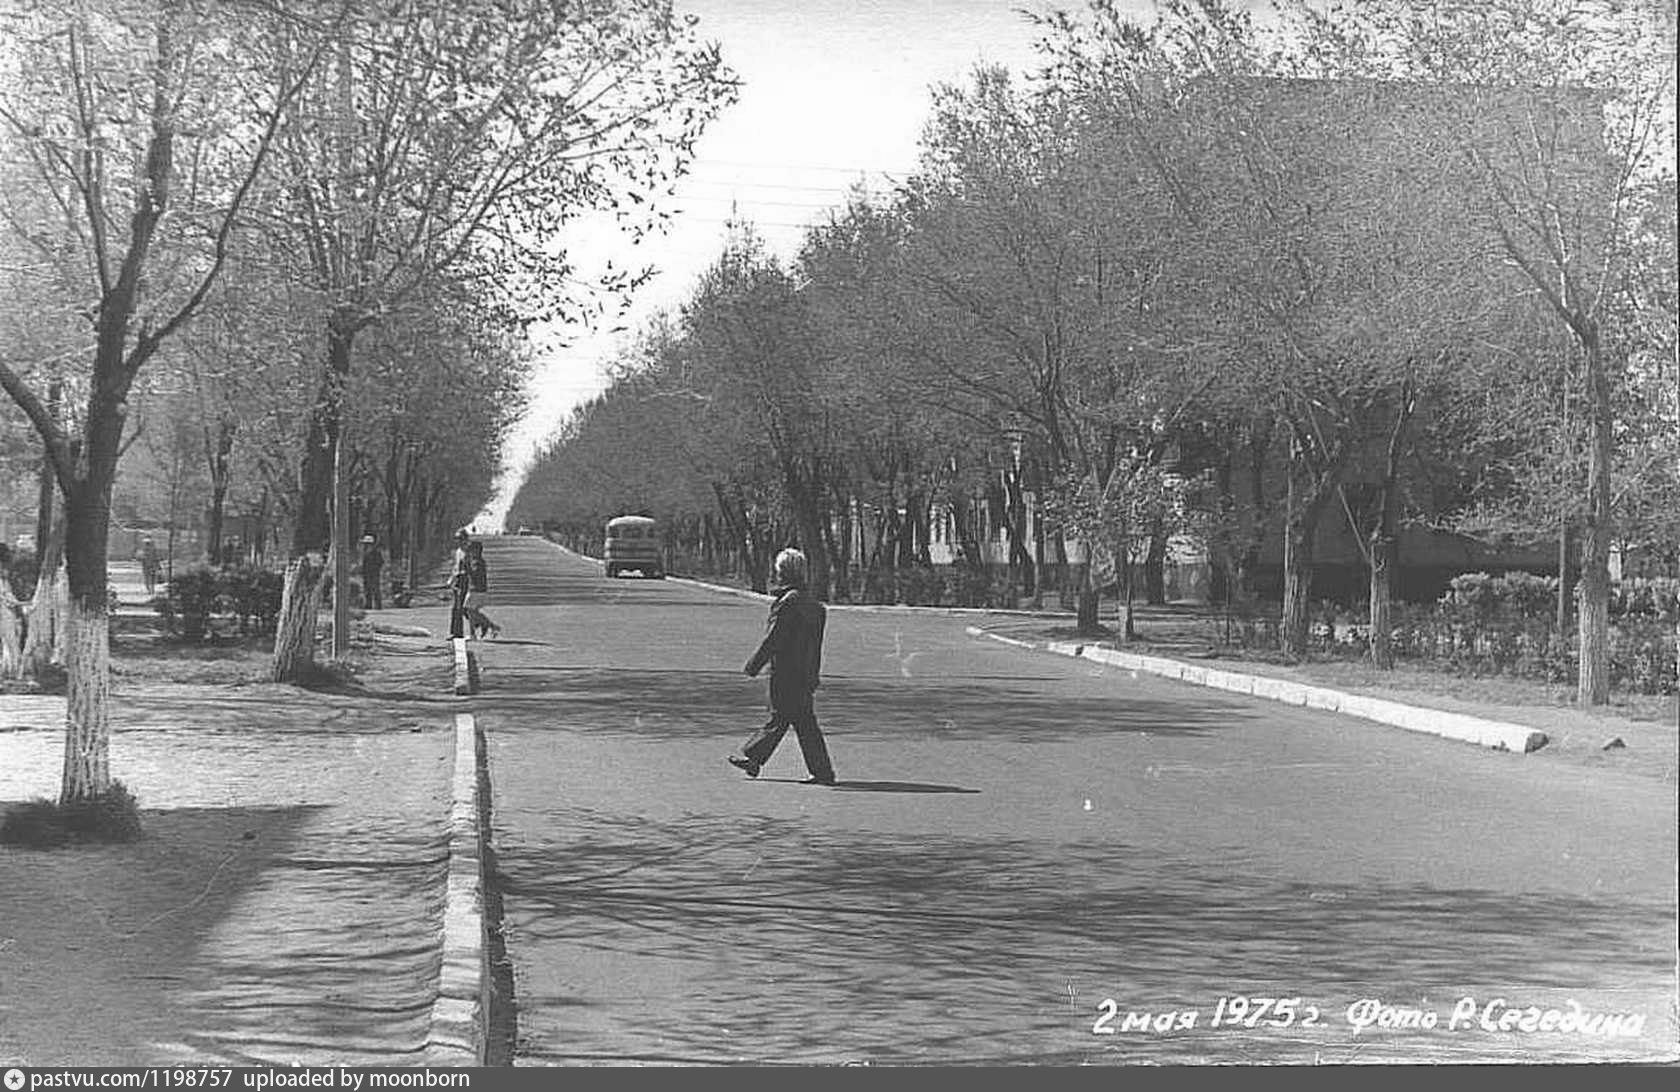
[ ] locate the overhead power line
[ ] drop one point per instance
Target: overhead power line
(901, 171)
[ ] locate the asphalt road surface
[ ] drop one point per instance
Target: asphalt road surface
(1030, 859)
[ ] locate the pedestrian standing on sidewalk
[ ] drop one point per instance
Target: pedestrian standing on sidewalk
(459, 584)
(373, 572)
(792, 647)
(147, 556)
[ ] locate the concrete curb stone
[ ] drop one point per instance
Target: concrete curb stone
(459, 1033)
(1497, 735)
(466, 667)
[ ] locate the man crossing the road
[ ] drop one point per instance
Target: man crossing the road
(792, 647)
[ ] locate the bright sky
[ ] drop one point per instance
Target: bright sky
(834, 93)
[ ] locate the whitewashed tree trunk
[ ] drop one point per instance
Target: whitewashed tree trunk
(294, 637)
(43, 644)
(60, 615)
(87, 725)
(11, 632)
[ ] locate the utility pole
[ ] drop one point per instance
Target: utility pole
(341, 551)
(345, 138)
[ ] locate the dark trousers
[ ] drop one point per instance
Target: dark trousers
(802, 718)
(371, 598)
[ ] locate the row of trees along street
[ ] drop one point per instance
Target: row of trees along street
(301, 246)
(1217, 275)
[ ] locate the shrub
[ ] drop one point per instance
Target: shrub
(189, 600)
(1493, 625)
(1519, 594)
(919, 586)
(1656, 599)
(44, 824)
(253, 595)
(968, 586)
(195, 596)
(1642, 656)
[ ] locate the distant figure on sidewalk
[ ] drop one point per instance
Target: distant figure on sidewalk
(373, 574)
(459, 583)
(478, 590)
(147, 556)
(792, 647)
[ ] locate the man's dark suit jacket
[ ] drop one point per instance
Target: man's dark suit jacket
(792, 646)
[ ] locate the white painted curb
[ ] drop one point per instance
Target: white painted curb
(460, 1031)
(466, 667)
(1498, 735)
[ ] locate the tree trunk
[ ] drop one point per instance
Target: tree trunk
(889, 538)
(1038, 555)
(48, 488)
(921, 529)
(1064, 578)
(1022, 579)
(1594, 661)
(1566, 587)
(87, 726)
(294, 636)
(1127, 589)
(11, 630)
(86, 531)
(1089, 598)
(808, 519)
(1248, 558)
(1300, 525)
(1385, 550)
(340, 552)
(837, 539)
(1385, 540)
(312, 533)
(43, 620)
(416, 536)
(1297, 580)
(754, 554)
(1155, 569)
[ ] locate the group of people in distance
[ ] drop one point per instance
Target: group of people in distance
(469, 585)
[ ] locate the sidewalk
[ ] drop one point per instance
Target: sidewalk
(286, 905)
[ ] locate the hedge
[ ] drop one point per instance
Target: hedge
(1505, 625)
(195, 596)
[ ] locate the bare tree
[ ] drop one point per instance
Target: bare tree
(148, 136)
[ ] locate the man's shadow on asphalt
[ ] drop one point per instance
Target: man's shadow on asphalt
(876, 786)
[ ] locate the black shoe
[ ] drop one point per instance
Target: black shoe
(829, 781)
(745, 765)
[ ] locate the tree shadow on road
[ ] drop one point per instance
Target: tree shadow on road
(951, 949)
